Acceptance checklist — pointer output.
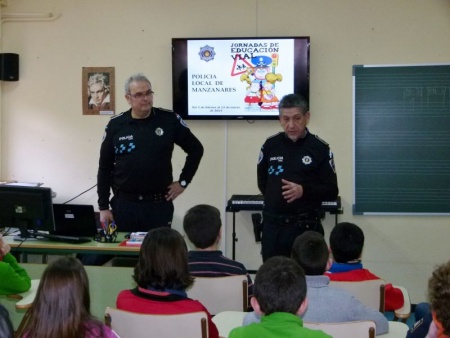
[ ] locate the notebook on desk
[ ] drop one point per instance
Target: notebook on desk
(75, 220)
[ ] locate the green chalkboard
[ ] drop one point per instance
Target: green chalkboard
(401, 139)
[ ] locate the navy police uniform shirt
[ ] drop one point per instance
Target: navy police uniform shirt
(308, 161)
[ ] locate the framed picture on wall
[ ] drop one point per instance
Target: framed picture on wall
(98, 91)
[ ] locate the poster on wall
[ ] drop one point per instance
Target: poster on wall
(98, 90)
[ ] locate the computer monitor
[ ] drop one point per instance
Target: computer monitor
(29, 209)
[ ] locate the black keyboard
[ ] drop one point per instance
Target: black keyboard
(65, 239)
(256, 202)
(246, 202)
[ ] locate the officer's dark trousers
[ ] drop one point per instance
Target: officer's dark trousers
(277, 239)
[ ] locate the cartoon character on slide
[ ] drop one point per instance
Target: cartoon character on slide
(268, 98)
(261, 82)
(252, 96)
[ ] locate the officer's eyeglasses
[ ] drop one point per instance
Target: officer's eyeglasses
(142, 95)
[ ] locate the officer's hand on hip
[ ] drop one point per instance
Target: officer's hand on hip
(174, 190)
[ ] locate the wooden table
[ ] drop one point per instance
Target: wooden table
(46, 247)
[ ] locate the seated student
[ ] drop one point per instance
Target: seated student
(62, 304)
(6, 327)
(326, 304)
(439, 297)
(280, 298)
(13, 278)
(346, 244)
(203, 227)
(162, 277)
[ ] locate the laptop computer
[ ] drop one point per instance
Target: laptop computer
(77, 220)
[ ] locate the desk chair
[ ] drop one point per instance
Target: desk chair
(26, 298)
(372, 294)
(137, 325)
(219, 294)
(227, 320)
(404, 312)
(369, 292)
(356, 329)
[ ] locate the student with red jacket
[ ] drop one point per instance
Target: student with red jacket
(162, 277)
(346, 244)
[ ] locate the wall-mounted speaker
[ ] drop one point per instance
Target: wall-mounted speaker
(9, 67)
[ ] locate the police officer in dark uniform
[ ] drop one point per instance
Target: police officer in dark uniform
(295, 174)
(136, 162)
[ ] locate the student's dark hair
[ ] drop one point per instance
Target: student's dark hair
(163, 261)
(202, 225)
(310, 251)
(280, 286)
(62, 304)
(294, 101)
(346, 242)
(439, 295)
(6, 328)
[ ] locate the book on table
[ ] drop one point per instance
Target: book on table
(136, 239)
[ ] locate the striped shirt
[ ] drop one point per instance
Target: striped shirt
(215, 264)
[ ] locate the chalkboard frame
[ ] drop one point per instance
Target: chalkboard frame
(401, 139)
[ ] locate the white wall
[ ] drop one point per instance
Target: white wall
(44, 136)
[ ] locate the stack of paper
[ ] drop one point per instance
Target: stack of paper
(136, 238)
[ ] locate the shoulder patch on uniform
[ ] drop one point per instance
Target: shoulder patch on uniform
(104, 136)
(261, 156)
(181, 120)
(317, 137)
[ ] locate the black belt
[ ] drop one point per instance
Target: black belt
(293, 219)
(156, 198)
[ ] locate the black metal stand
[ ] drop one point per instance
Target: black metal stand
(338, 210)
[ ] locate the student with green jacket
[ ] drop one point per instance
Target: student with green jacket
(13, 278)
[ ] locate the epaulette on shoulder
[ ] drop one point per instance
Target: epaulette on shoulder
(317, 137)
(165, 110)
(274, 135)
(116, 116)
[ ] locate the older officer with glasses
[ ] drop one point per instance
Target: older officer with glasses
(136, 162)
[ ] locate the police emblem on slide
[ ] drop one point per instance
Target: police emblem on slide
(306, 160)
(159, 132)
(207, 53)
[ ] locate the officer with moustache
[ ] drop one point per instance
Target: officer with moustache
(295, 174)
